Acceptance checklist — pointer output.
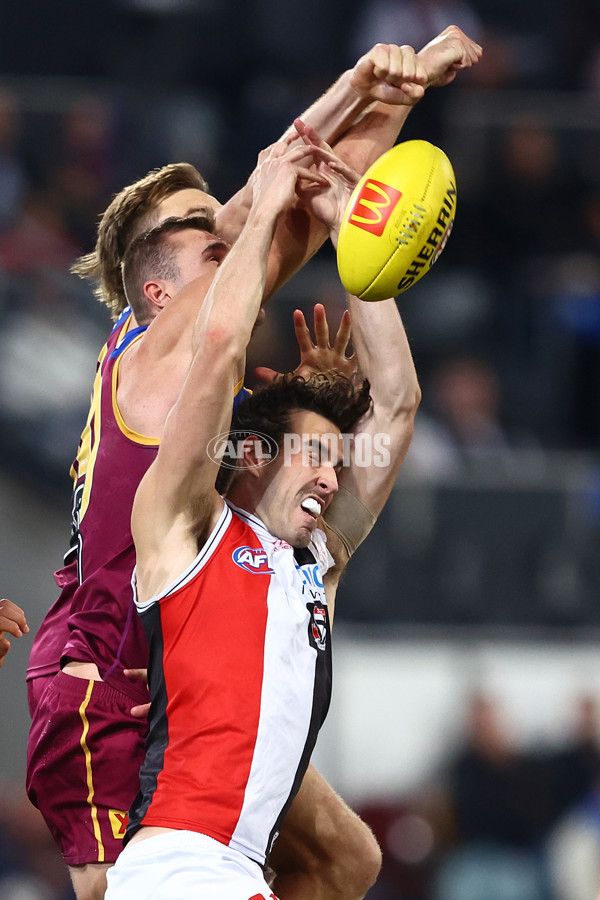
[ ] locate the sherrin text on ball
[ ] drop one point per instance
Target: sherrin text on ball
(397, 221)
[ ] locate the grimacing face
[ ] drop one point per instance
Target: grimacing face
(310, 471)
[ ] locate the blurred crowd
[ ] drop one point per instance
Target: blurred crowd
(499, 821)
(506, 330)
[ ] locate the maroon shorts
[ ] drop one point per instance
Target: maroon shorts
(83, 760)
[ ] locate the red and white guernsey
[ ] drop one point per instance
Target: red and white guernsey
(240, 678)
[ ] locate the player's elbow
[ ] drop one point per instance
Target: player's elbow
(360, 863)
(404, 405)
(372, 861)
(416, 397)
(223, 344)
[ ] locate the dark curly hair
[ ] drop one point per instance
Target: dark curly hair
(269, 409)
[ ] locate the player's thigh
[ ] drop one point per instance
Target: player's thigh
(320, 830)
(84, 753)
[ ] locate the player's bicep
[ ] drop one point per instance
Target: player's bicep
(180, 486)
(188, 462)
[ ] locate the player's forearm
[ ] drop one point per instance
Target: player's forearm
(297, 238)
(234, 299)
(360, 129)
(375, 133)
(331, 115)
(335, 111)
(384, 355)
(231, 218)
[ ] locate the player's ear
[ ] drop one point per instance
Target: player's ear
(254, 454)
(157, 294)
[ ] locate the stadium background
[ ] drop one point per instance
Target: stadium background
(465, 724)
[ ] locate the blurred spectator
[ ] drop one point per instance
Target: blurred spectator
(525, 222)
(529, 194)
(581, 43)
(574, 844)
(31, 868)
(80, 168)
(461, 427)
(13, 178)
(575, 296)
(47, 354)
(38, 239)
(526, 49)
(500, 799)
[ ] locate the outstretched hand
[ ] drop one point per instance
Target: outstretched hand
(327, 197)
(274, 179)
(319, 355)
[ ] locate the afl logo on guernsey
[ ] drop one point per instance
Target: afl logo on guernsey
(252, 559)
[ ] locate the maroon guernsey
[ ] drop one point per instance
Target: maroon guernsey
(94, 619)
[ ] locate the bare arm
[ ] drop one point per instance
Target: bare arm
(362, 115)
(384, 357)
(176, 504)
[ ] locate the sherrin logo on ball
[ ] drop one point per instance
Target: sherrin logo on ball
(397, 221)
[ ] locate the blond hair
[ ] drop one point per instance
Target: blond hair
(131, 212)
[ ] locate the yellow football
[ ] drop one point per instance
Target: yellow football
(397, 221)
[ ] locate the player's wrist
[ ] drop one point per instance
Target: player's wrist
(359, 96)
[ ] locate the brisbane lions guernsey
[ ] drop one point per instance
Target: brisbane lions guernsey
(240, 679)
(94, 619)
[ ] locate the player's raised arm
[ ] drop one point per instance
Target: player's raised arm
(361, 115)
(167, 524)
(384, 358)
(381, 439)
